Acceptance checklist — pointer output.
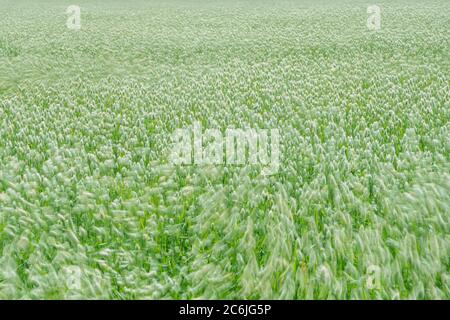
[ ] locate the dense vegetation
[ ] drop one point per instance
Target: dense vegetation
(360, 207)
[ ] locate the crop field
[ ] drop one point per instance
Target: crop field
(92, 207)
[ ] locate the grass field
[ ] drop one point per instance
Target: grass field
(91, 207)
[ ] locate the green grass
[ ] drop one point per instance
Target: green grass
(85, 126)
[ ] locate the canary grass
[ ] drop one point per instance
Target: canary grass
(358, 209)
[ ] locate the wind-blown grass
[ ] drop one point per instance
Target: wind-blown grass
(86, 119)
